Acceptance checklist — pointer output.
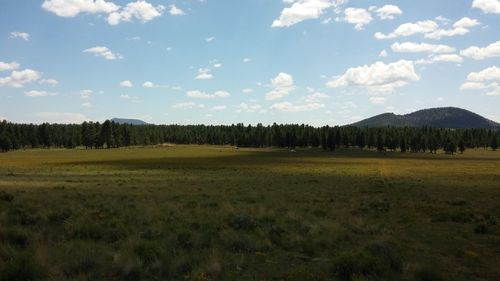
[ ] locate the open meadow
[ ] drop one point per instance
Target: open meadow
(217, 213)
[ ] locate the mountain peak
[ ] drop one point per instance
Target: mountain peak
(441, 117)
(128, 121)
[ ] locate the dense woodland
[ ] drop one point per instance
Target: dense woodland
(95, 135)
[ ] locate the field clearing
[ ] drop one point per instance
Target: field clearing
(217, 213)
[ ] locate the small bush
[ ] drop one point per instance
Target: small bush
(481, 228)
(147, 252)
(14, 237)
(7, 197)
(243, 223)
(22, 267)
(428, 273)
(377, 260)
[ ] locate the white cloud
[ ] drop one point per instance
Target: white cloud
(148, 84)
(71, 8)
(378, 100)
(38, 94)
(357, 16)
(301, 10)
(248, 108)
(8, 66)
(488, 74)
(408, 29)
(282, 84)
(222, 94)
(388, 12)
(383, 54)
(314, 97)
(50, 82)
(245, 60)
(204, 74)
(61, 117)
(18, 79)
(430, 29)
(127, 84)
(487, 6)
(218, 108)
(125, 97)
(187, 105)
(486, 79)
(86, 94)
(209, 39)
(291, 107)
(247, 90)
(87, 104)
(23, 35)
(104, 52)
(466, 23)
(478, 53)
(174, 11)
(140, 10)
(198, 95)
(410, 47)
(378, 77)
(441, 58)
(203, 95)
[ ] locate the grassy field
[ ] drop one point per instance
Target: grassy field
(216, 213)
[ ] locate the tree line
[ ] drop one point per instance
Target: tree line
(95, 135)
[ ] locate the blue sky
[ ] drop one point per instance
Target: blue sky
(320, 62)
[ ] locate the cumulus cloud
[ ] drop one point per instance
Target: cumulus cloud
(378, 100)
(104, 52)
(187, 105)
(293, 107)
(315, 97)
(383, 54)
(61, 117)
(203, 95)
(410, 47)
(71, 8)
(478, 53)
(378, 77)
(358, 16)
(86, 94)
(50, 82)
(218, 108)
(8, 65)
(430, 29)
(174, 11)
(301, 10)
(34, 93)
(204, 74)
(487, 6)
(17, 79)
(388, 12)
(127, 84)
(282, 86)
(248, 108)
(21, 35)
(140, 10)
(148, 84)
(441, 58)
(486, 79)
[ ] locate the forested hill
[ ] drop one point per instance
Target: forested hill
(128, 121)
(445, 117)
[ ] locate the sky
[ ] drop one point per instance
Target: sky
(318, 62)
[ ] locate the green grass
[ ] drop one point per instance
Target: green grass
(215, 213)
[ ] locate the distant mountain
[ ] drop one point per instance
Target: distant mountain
(128, 121)
(444, 117)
